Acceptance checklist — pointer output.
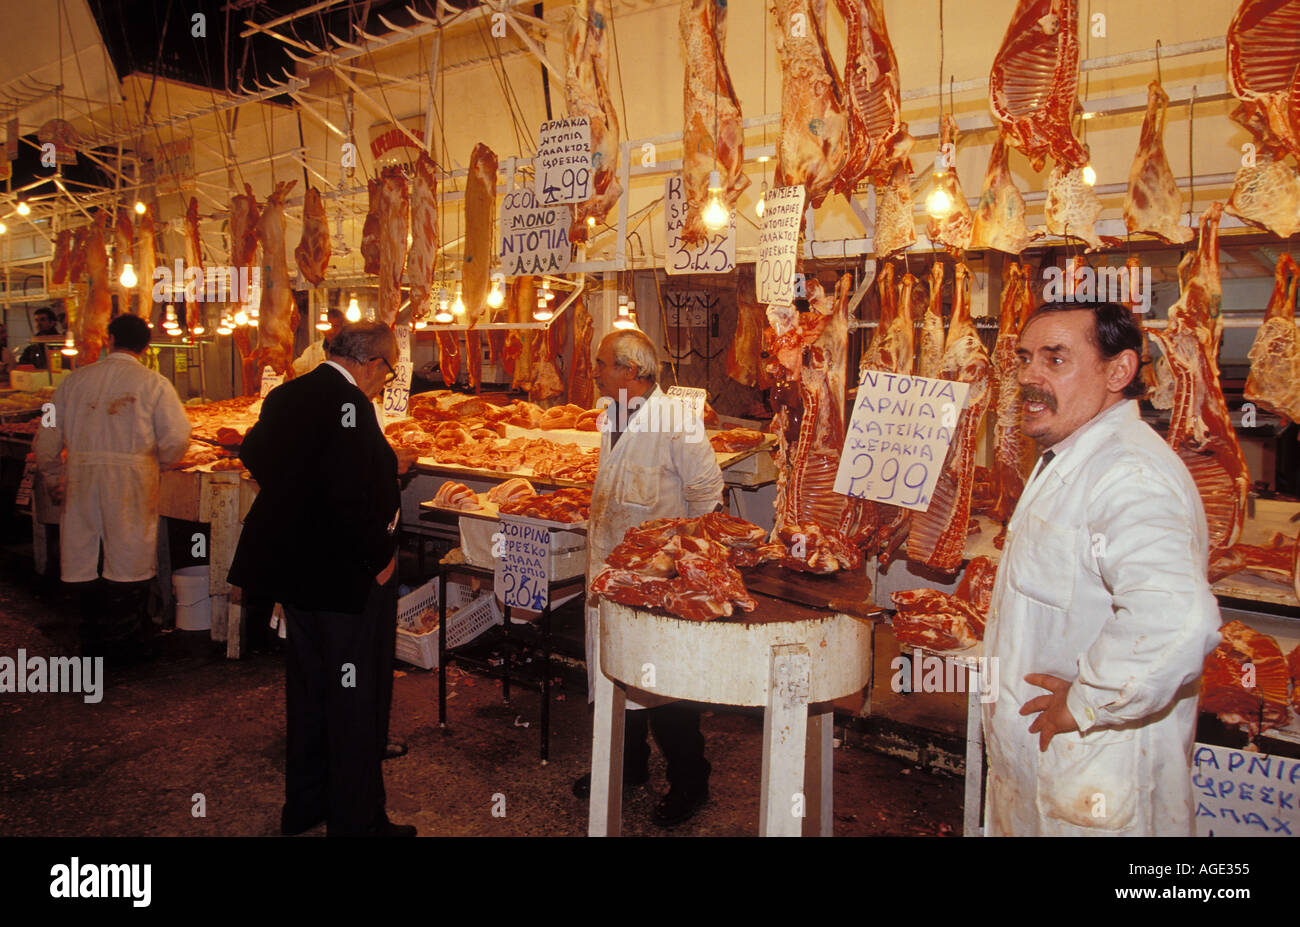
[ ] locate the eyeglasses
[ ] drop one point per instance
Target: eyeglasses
(392, 374)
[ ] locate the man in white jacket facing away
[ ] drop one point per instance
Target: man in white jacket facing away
(1102, 614)
(655, 462)
(121, 423)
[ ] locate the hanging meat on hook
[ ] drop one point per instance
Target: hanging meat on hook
(938, 535)
(1153, 204)
(449, 356)
(123, 234)
(1135, 303)
(952, 228)
(146, 260)
(313, 252)
(1264, 72)
(1072, 208)
(92, 321)
(813, 147)
(193, 258)
(713, 137)
(422, 261)
(480, 208)
(930, 350)
(394, 225)
(1013, 451)
(1274, 380)
(808, 352)
(370, 231)
(744, 356)
(895, 226)
(1033, 87)
(62, 257)
(582, 385)
(1200, 428)
(277, 316)
(244, 218)
(588, 93)
(999, 221)
(878, 137)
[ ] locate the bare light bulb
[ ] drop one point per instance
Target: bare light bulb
(543, 312)
(761, 206)
(23, 208)
(69, 346)
(241, 317)
(496, 298)
(324, 324)
(938, 204)
(354, 311)
(443, 315)
(139, 208)
(421, 325)
(199, 329)
(591, 222)
(715, 215)
(3, 228)
(458, 307)
(128, 278)
(1089, 175)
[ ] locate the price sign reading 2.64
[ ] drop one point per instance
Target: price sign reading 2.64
(523, 564)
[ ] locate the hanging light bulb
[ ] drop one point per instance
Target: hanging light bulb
(139, 208)
(69, 347)
(591, 222)
(3, 228)
(939, 203)
(241, 317)
(324, 324)
(546, 290)
(458, 307)
(443, 315)
(23, 208)
(497, 296)
(128, 278)
(761, 206)
(421, 325)
(199, 329)
(354, 311)
(1089, 175)
(169, 317)
(625, 318)
(715, 215)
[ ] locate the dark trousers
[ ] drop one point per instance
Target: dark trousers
(114, 619)
(676, 729)
(338, 692)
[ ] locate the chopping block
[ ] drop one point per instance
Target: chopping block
(793, 669)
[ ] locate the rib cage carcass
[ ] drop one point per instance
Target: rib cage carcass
(878, 137)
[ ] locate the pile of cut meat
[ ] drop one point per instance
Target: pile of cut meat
(563, 505)
(947, 621)
(735, 440)
(687, 566)
(223, 422)
(1246, 677)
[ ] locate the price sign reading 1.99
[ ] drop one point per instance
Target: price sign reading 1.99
(898, 438)
(778, 246)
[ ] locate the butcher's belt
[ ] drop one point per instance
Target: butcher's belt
(91, 458)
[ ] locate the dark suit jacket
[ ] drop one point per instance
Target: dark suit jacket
(317, 533)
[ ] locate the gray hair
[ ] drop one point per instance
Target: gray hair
(633, 348)
(360, 341)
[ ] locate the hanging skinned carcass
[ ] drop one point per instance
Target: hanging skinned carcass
(479, 248)
(938, 535)
(146, 259)
(91, 332)
(1200, 428)
(807, 353)
(813, 146)
(244, 219)
(588, 93)
(582, 384)
(123, 236)
(999, 220)
(713, 137)
(1274, 380)
(1013, 450)
(422, 260)
(313, 252)
(1153, 205)
(929, 352)
(951, 228)
(277, 315)
(878, 137)
(394, 225)
(193, 258)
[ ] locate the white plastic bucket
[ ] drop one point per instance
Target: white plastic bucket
(193, 606)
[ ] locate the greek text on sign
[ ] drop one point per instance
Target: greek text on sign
(1241, 794)
(270, 380)
(563, 161)
(717, 255)
(534, 238)
(398, 393)
(898, 438)
(523, 571)
(692, 396)
(778, 245)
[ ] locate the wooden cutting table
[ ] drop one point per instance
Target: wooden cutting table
(788, 656)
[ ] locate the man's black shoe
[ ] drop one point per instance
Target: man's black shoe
(389, 829)
(582, 787)
(292, 828)
(678, 806)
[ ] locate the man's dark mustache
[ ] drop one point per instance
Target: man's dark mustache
(1034, 394)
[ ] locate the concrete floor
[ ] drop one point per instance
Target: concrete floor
(192, 722)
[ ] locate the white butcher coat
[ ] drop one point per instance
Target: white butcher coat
(1102, 582)
(647, 475)
(121, 422)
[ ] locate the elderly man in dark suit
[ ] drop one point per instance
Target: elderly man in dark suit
(321, 539)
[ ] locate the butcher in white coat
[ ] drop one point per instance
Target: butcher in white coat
(1102, 614)
(655, 462)
(121, 424)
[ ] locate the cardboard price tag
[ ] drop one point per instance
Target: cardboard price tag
(691, 396)
(534, 237)
(778, 246)
(270, 380)
(898, 438)
(563, 161)
(717, 255)
(523, 567)
(24, 497)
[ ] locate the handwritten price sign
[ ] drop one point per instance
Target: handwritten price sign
(523, 570)
(715, 256)
(778, 246)
(398, 393)
(564, 161)
(898, 438)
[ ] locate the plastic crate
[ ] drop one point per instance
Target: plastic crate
(463, 625)
(418, 601)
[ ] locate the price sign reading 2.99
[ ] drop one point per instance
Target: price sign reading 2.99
(778, 246)
(898, 438)
(523, 564)
(716, 255)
